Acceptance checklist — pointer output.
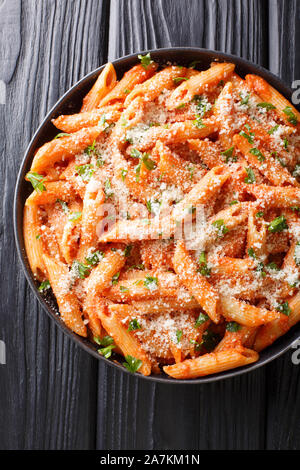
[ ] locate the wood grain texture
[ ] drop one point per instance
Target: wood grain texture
(48, 386)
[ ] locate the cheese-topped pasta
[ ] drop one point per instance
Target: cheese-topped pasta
(165, 218)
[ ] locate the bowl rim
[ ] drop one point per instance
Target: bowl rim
(288, 339)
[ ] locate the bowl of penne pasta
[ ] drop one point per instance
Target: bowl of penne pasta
(157, 215)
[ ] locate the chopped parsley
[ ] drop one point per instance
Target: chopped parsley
(91, 148)
(245, 99)
(115, 278)
(179, 79)
(85, 171)
(249, 137)
(233, 326)
(61, 134)
(251, 253)
(124, 289)
(222, 229)
(80, 270)
(134, 325)
(284, 308)
(145, 60)
(37, 181)
(267, 106)
(132, 363)
(74, 216)
(292, 118)
(179, 335)
(44, 286)
(127, 251)
(228, 154)
(202, 318)
(151, 282)
(202, 105)
(233, 202)
(259, 214)
(278, 224)
(203, 269)
(64, 206)
(123, 174)
(250, 179)
(260, 269)
(258, 154)
(273, 129)
(198, 122)
(94, 258)
(273, 266)
(107, 344)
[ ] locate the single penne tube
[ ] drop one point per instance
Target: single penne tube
(54, 190)
(256, 235)
(92, 304)
(176, 132)
(162, 284)
(151, 88)
(63, 148)
(267, 93)
(264, 162)
(197, 285)
(133, 77)
(209, 152)
(124, 339)
(268, 333)
(237, 339)
(244, 313)
(199, 83)
(69, 240)
(91, 216)
(175, 170)
(33, 242)
(75, 122)
(224, 111)
(103, 85)
(102, 275)
(166, 305)
(59, 278)
(274, 196)
(212, 363)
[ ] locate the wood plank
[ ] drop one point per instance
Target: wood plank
(133, 413)
(282, 377)
(47, 388)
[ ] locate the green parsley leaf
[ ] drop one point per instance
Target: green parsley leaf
(61, 134)
(260, 269)
(250, 179)
(251, 253)
(202, 318)
(285, 144)
(151, 282)
(64, 206)
(123, 174)
(292, 118)
(278, 224)
(198, 122)
(258, 154)
(265, 105)
(233, 326)
(273, 266)
(124, 289)
(44, 286)
(127, 250)
(80, 270)
(222, 229)
(100, 162)
(179, 79)
(244, 100)
(228, 154)
(134, 325)
(179, 335)
(233, 202)
(203, 269)
(85, 171)
(249, 137)
(91, 148)
(145, 60)
(105, 341)
(94, 258)
(259, 214)
(193, 64)
(37, 181)
(107, 352)
(115, 278)
(284, 308)
(132, 363)
(273, 129)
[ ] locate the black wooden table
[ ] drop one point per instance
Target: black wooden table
(52, 394)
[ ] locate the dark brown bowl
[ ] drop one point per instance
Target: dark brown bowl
(71, 103)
